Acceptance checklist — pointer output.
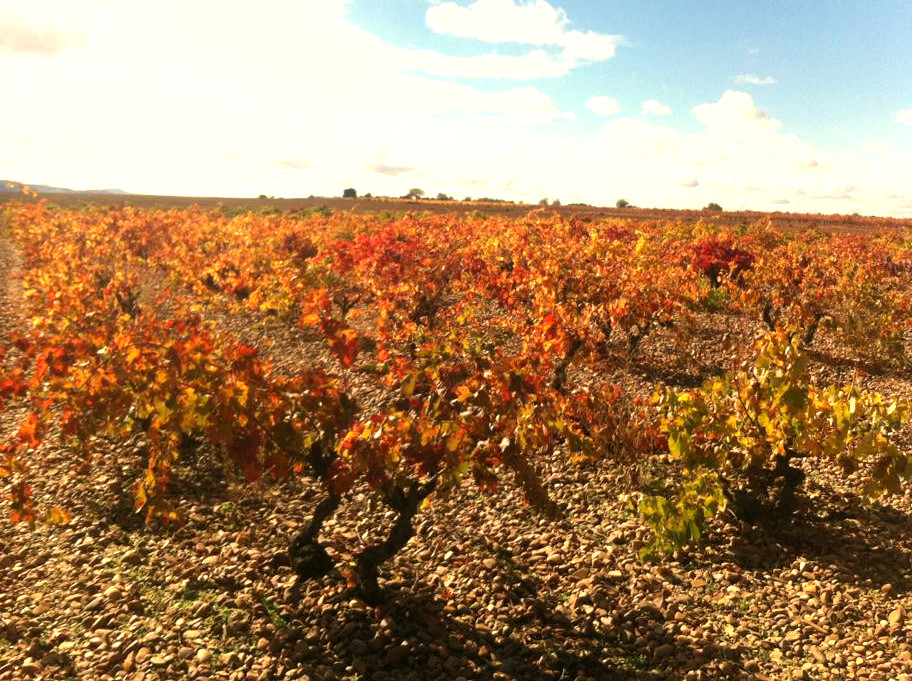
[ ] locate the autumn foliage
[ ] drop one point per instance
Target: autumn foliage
(467, 330)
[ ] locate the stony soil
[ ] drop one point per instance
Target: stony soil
(486, 590)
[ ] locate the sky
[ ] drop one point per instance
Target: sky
(788, 105)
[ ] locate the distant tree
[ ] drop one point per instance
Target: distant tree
(556, 202)
(467, 199)
(714, 207)
(350, 193)
(415, 193)
(443, 197)
(262, 196)
(622, 203)
(368, 196)
(543, 202)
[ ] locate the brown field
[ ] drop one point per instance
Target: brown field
(789, 221)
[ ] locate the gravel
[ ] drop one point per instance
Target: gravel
(487, 589)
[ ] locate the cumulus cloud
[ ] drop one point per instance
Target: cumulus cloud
(735, 122)
(535, 23)
(655, 107)
(735, 114)
(903, 116)
(500, 21)
(752, 79)
(741, 157)
(19, 35)
(604, 106)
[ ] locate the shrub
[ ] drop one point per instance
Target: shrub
(738, 436)
(717, 255)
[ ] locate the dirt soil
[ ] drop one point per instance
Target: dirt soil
(788, 221)
(487, 589)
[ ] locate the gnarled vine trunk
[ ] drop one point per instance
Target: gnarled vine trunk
(407, 503)
(308, 556)
(773, 494)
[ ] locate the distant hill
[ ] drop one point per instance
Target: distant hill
(46, 189)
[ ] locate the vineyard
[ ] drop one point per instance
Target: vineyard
(317, 445)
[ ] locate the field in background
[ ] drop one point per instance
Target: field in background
(789, 221)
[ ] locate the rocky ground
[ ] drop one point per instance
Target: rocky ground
(487, 589)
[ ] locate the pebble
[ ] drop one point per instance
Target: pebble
(358, 647)
(663, 651)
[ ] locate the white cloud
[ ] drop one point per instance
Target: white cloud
(19, 35)
(735, 114)
(604, 106)
(742, 159)
(903, 116)
(655, 107)
(736, 123)
(752, 79)
(588, 46)
(535, 23)
(202, 117)
(500, 21)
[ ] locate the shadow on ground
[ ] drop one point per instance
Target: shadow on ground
(857, 541)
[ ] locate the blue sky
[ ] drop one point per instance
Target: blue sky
(770, 105)
(839, 66)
